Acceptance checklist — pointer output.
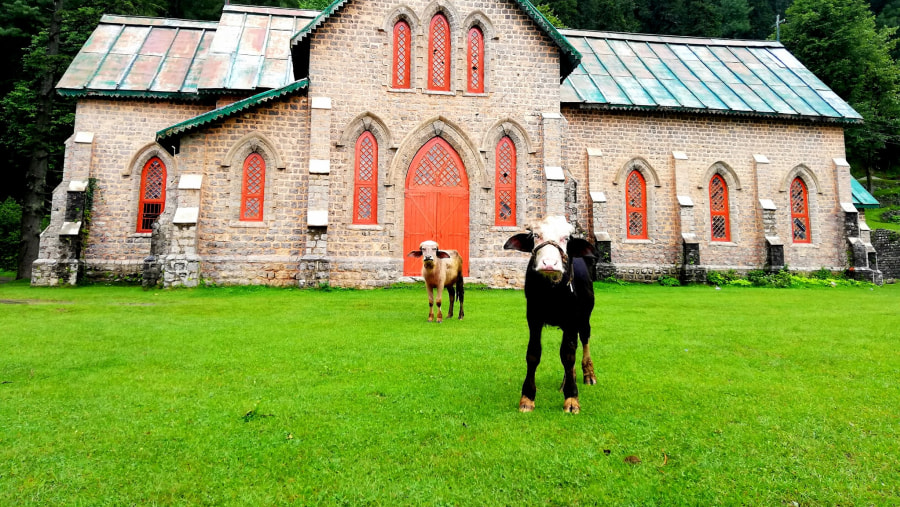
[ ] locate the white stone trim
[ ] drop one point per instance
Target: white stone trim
(190, 182)
(186, 215)
(554, 173)
(318, 166)
(78, 185)
(317, 218)
(321, 103)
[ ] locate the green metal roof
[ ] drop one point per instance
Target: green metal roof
(569, 56)
(861, 197)
(637, 71)
(131, 56)
(223, 112)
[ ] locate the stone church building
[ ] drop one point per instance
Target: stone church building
(294, 147)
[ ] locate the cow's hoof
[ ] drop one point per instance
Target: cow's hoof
(571, 406)
(589, 378)
(526, 405)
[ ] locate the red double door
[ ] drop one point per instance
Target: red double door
(437, 203)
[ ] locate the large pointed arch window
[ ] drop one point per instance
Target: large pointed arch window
(505, 187)
(365, 190)
(475, 61)
(153, 194)
(636, 205)
(439, 53)
(400, 77)
(800, 211)
(253, 188)
(719, 218)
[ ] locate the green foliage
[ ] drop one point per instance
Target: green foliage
(10, 216)
(839, 42)
(116, 396)
(548, 13)
(668, 281)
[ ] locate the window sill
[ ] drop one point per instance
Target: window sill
(140, 235)
(505, 228)
(402, 90)
(729, 244)
(248, 225)
(805, 245)
(365, 227)
(638, 241)
(439, 92)
(482, 94)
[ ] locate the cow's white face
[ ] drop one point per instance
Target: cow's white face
(548, 260)
(429, 251)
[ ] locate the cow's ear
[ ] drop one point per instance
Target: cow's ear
(442, 254)
(414, 253)
(578, 247)
(523, 242)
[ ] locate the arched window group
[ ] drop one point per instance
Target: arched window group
(440, 51)
(253, 186)
(505, 184)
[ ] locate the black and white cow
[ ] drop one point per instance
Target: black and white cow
(560, 293)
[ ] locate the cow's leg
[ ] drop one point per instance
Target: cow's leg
(460, 290)
(440, 294)
(587, 366)
(452, 292)
(430, 289)
(567, 351)
(533, 359)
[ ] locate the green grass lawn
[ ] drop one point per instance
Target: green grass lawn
(242, 396)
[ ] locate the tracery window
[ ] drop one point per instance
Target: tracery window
(365, 180)
(475, 61)
(505, 184)
(719, 218)
(439, 54)
(402, 55)
(636, 205)
(800, 212)
(253, 188)
(152, 201)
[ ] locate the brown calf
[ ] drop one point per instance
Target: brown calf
(441, 268)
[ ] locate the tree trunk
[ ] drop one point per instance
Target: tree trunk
(33, 208)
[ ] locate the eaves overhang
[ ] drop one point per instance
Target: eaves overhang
(179, 129)
(716, 112)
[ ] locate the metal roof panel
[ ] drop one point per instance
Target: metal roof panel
(141, 74)
(103, 37)
(861, 197)
(130, 40)
(158, 42)
(172, 75)
(111, 71)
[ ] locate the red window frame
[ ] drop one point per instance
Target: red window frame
(475, 61)
(253, 188)
(152, 200)
(800, 212)
(635, 205)
(402, 55)
(439, 53)
(718, 208)
(365, 180)
(505, 183)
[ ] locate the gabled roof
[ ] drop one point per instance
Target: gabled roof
(636, 71)
(251, 48)
(135, 56)
(569, 56)
(861, 197)
(223, 112)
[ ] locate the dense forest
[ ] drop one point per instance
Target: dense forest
(849, 44)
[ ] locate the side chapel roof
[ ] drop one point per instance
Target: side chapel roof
(738, 77)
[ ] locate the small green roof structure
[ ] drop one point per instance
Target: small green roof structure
(862, 199)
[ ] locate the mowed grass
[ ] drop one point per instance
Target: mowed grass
(244, 396)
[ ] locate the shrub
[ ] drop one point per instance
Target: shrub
(668, 281)
(10, 222)
(715, 278)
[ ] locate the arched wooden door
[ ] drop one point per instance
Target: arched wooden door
(437, 203)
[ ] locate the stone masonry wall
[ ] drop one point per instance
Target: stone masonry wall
(267, 252)
(124, 138)
(351, 65)
(707, 140)
(887, 244)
